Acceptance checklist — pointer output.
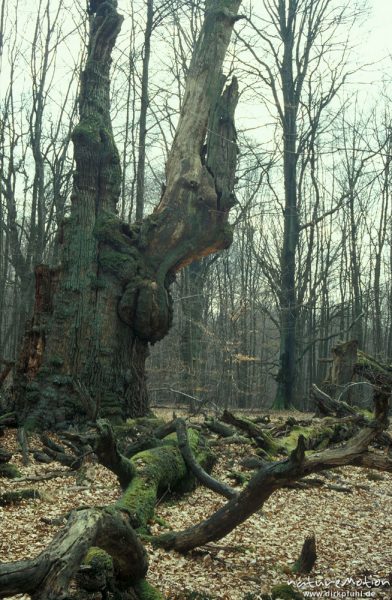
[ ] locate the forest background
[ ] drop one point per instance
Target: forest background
(258, 319)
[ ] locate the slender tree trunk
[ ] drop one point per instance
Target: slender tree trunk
(143, 113)
(355, 275)
(389, 295)
(288, 304)
(381, 237)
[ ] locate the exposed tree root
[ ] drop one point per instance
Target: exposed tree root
(106, 539)
(59, 453)
(272, 477)
(198, 471)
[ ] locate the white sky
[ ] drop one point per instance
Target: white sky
(375, 45)
(379, 28)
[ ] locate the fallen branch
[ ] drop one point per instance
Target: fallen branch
(45, 476)
(49, 573)
(16, 496)
(205, 479)
(261, 437)
(219, 428)
(272, 477)
(328, 406)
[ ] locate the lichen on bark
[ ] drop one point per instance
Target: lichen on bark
(112, 293)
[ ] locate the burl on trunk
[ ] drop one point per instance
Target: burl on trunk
(95, 314)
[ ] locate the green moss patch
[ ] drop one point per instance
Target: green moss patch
(145, 591)
(157, 470)
(9, 471)
(98, 559)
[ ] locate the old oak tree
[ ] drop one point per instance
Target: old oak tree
(96, 313)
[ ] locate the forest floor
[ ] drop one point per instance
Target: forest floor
(352, 529)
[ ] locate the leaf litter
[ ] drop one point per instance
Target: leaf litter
(352, 530)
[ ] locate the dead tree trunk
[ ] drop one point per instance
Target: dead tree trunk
(307, 558)
(351, 367)
(344, 358)
(96, 313)
(47, 576)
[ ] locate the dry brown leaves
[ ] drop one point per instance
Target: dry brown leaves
(352, 530)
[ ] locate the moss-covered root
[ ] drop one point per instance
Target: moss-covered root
(157, 471)
(145, 591)
(283, 592)
(106, 448)
(9, 471)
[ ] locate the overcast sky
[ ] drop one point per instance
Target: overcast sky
(380, 28)
(376, 45)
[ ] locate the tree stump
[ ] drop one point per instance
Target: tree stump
(307, 558)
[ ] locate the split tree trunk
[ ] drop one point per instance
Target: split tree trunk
(95, 315)
(351, 367)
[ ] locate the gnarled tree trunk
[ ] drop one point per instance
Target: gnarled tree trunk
(96, 313)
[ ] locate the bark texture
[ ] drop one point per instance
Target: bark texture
(84, 354)
(47, 576)
(108, 534)
(351, 367)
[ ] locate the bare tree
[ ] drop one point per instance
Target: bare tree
(297, 39)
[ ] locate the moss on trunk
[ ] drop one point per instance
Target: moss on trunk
(145, 591)
(84, 356)
(158, 470)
